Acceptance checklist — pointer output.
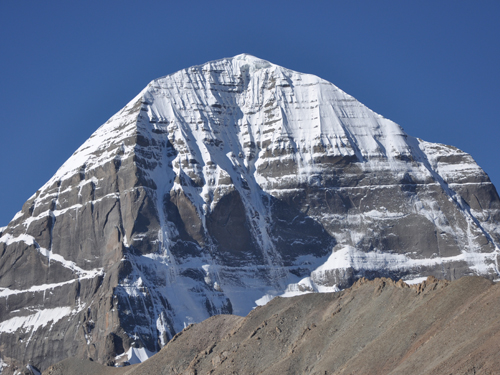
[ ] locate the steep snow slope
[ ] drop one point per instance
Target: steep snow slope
(219, 187)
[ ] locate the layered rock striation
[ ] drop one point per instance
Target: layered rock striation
(217, 188)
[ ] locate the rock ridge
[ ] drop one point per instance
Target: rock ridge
(377, 326)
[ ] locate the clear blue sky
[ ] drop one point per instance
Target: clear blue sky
(67, 66)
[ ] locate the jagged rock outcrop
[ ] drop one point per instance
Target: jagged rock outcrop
(222, 186)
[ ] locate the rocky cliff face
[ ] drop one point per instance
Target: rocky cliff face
(217, 188)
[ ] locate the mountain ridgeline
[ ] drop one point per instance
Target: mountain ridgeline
(380, 327)
(218, 188)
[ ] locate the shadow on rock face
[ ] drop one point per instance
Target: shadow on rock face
(228, 225)
(295, 233)
(289, 232)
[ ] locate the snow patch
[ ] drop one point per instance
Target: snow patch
(264, 299)
(376, 260)
(5, 292)
(3, 365)
(32, 322)
(30, 241)
(135, 355)
(416, 280)
(17, 215)
(350, 257)
(308, 285)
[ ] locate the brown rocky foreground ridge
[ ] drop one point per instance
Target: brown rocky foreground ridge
(374, 327)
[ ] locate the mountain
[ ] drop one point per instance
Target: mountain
(374, 327)
(218, 188)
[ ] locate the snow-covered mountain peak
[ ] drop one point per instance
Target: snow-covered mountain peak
(223, 185)
(272, 106)
(252, 60)
(294, 109)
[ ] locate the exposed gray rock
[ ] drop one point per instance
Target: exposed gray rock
(222, 185)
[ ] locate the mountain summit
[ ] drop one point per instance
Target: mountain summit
(217, 188)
